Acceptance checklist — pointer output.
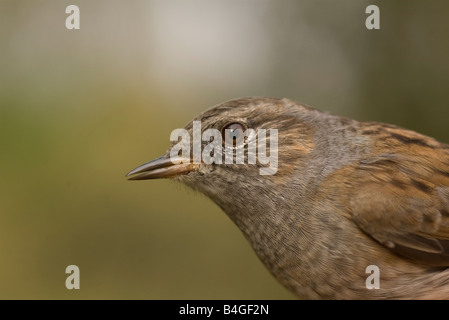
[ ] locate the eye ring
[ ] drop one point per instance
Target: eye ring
(233, 134)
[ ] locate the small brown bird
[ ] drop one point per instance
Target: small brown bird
(345, 195)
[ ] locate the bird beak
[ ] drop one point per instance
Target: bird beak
(162, 167)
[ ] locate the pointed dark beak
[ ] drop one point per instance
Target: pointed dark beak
(162, 167)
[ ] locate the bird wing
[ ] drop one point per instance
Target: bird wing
(403, 203)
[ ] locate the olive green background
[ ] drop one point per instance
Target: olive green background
(81, 108)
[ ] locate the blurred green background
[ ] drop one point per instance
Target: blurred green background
(80, 108)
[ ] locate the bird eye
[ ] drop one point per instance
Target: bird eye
(233, 134)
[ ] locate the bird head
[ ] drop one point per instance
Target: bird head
(241, 149)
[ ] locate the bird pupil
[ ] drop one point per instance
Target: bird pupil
(234, 133)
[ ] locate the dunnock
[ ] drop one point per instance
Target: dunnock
(346, 195)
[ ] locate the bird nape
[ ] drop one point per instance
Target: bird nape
(335, 208)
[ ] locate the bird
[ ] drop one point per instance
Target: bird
(346, 196)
